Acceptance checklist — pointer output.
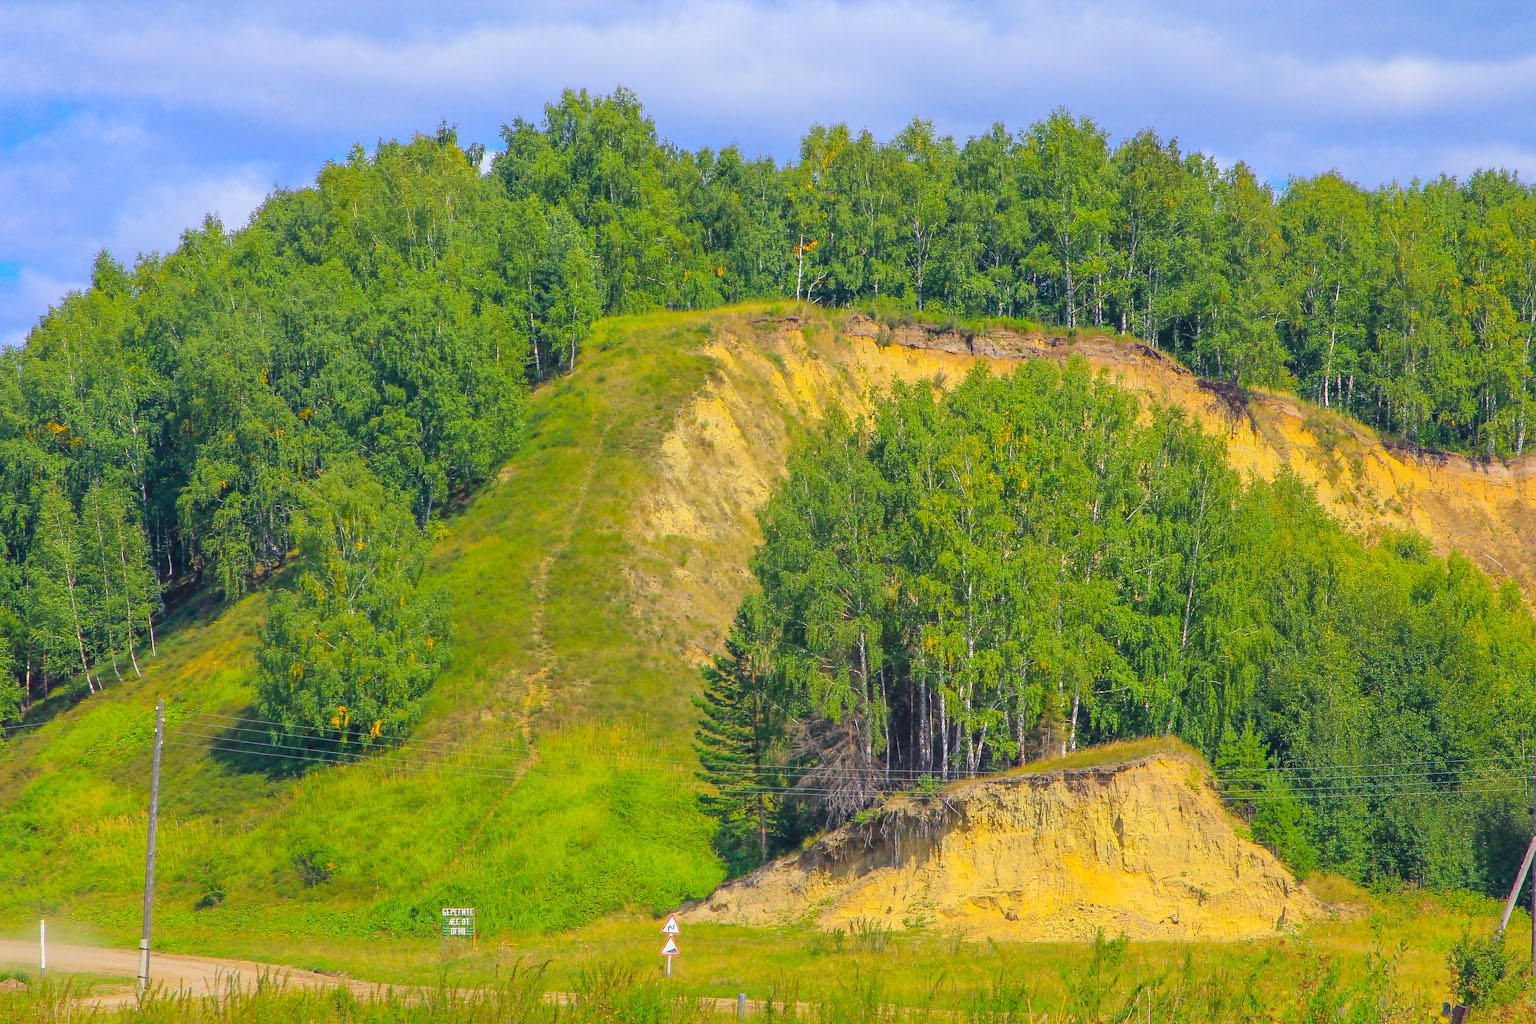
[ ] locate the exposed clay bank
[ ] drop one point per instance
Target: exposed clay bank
(1144, 848)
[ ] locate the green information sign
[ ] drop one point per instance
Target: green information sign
(459, 921)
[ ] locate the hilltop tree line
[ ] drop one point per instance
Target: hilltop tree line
(968, 583)
(1411, 307)
(167, 428)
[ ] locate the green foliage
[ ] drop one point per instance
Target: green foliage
(348, 654)
(163, 426)
(741, 745)
(576, 826)
(1030, 563)
(1255, 788)
(10, 696)
(398, 307)
(1480, 969)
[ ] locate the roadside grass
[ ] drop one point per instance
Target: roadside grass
(1385, 965)
(78, 981)
(1410, 932)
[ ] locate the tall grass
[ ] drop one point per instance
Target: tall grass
(1105, 987)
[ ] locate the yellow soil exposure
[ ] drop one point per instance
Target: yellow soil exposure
(1143, 848)
(777, 377)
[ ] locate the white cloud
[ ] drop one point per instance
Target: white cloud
(92, 182)
(154, 218)
(25, 298)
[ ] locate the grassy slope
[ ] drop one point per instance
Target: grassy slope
(547, 651)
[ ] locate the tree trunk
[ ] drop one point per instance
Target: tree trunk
(1194, 565)
(799, 267)
(1072, 731)
(943, 737)
(74, 610)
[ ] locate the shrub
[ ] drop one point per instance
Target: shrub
(1479, 969)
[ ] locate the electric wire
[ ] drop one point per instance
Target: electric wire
(1435, 766)
(1408, 791)
(1469, 776)
(522, 752)
(1400, 784)
(1325, 782)
(259, 749)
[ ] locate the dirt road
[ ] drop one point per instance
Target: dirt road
(204, 975)
(198, 975)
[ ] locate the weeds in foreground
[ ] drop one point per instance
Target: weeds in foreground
(1107, 988)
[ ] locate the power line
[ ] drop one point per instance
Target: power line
(522, 753)
(1324, 779)
(447, 769)
(1436, 777)
(261, 749)
(1282, 770)
(1367, 787)
(683, 766)
(1436, 766)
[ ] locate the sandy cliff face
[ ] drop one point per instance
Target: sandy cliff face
(776, 378)
(1143, 848)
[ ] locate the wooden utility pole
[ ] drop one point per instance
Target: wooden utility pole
(149, 860)
(1525, 867)
(1514, 892)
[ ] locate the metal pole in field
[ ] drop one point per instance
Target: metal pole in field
(42, 948)
(149, 859)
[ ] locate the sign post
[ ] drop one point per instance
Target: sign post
(670, 950)
(149, 857)
(42, 948)
(460, 921)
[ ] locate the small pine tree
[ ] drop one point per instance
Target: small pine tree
(1264, 799)
(739, 737)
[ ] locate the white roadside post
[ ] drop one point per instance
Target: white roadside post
(670, 950)
(42, 948)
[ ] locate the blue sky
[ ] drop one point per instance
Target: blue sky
(122, 124)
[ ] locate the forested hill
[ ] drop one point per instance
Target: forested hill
(398, 309)
(308, 400)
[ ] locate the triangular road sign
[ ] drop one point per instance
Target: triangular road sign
(671, 928)
(670, 949)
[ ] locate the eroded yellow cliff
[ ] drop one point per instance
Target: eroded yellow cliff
(1143, 848)
(776, 377)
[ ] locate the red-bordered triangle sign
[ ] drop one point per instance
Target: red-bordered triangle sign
(670, 949)
(671, 928)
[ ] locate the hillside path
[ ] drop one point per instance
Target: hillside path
(196, 975)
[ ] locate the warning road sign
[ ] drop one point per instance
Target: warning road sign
(671, 928)
(670, 949)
